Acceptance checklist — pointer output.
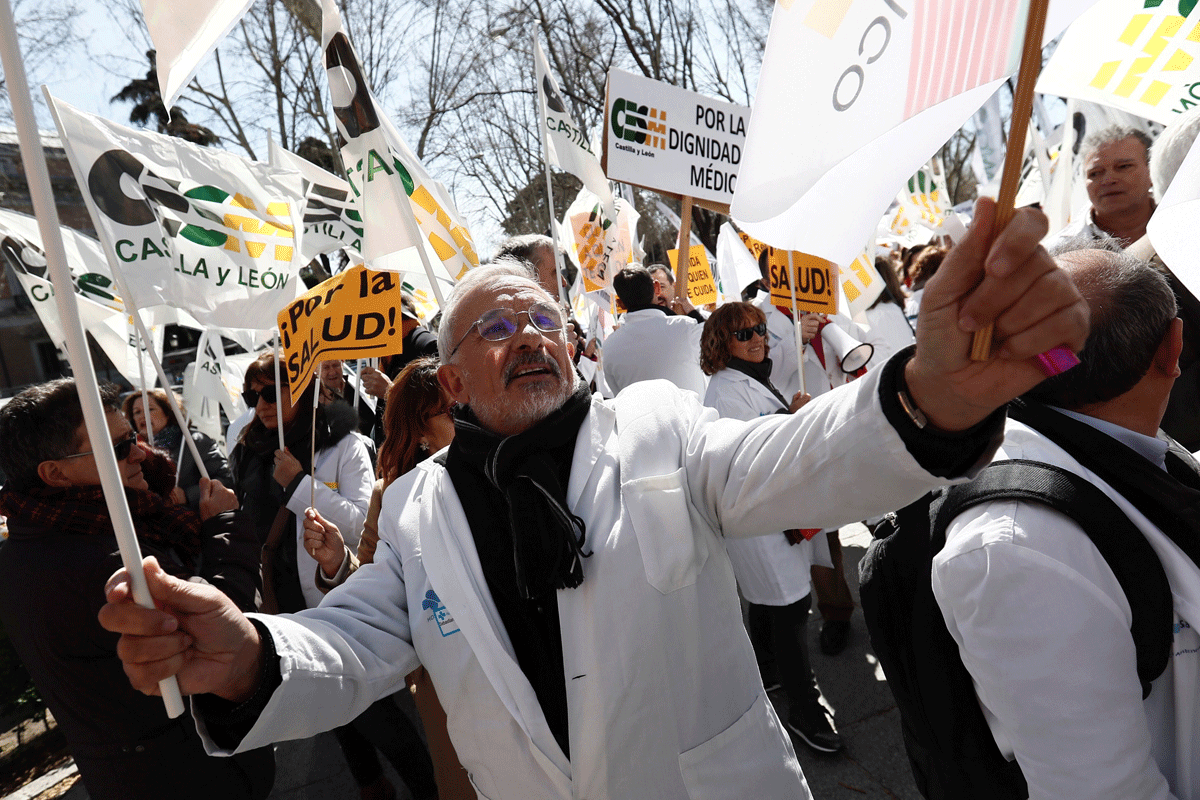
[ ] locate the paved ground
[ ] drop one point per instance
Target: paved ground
(873, 764)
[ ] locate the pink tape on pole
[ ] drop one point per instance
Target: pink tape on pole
(1057, 360)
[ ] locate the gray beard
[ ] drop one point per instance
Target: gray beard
(533, 406)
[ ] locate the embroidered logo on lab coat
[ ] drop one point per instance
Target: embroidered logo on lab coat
(441, 615)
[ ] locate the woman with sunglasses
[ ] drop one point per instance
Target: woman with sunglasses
(169, 437)
(772, 571)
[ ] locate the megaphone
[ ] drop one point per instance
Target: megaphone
(852, 355)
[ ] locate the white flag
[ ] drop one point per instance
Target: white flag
(386, 177)
(184, 34)
(101, 309)
(195, 228)
(736, 264)
(215, 379)
(854, 96)
(1172, 228)
(331, 219)
(599, 245)
(1134, 55)
(567, 143)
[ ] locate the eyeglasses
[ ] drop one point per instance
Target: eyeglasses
(267, 393)
(746, 334)
(121, 449)
(501, 323)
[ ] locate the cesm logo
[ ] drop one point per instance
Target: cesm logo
(639, 124)
(1159, 50)
(236, 229)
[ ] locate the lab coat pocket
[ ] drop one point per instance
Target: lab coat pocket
(749, 753)
(672, 553)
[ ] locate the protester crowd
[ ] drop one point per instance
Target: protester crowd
(591, 560)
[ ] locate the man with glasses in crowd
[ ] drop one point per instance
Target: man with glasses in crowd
(60, 550)
(561, 571)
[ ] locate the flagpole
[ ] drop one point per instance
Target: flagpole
(796, 326)
(94, 415)
(278, 391)
(137, 338)
(558, 265)
(1031, 65)
(685, 249)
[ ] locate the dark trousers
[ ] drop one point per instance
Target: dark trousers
(779, 637)
(385, 726)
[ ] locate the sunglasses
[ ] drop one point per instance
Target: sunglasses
(746, 334)
(121, 449)
(267, 393)
(501, 323)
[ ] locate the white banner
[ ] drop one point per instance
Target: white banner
(567, 143)
(195, 228)
(391, 187)
(331, 218)
(672, 140)
(736, 266)
(1172, 229)
(1135, 55)
(100, 308)
(184, 34)
(854, 96)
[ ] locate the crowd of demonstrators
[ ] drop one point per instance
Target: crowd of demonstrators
(336, 389)
(651, 343)
(60, 551)
(166, 434)
(664, 293)
(561, 572)
(772, 572)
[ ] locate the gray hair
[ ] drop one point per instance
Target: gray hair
(497, 274)
(1170, 148)
(524, 247)
(653, 268)
(1111, 135)
(1132, 307)
(42, 424)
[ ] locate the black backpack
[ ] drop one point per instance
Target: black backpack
(950, 747)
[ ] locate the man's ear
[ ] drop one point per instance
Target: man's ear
(52, 474)
(450, 376)
(1166, 357)
(571, 350)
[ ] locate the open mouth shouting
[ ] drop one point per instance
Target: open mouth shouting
(531, 365)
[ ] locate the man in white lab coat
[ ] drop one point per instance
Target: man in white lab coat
(562, 575)
(1041, 621)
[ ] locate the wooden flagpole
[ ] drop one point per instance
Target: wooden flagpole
(685, 239)
(1031, 65)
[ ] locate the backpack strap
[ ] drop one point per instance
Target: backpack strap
(1125, 548)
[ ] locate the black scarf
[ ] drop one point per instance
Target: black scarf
(547, 538)
(1170, 500)
(761, 372)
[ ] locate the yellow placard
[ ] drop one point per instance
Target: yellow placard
(701, 288)
(814, 279)
(355, 314)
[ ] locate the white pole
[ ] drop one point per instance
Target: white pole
(137, 338)
(558, 265)
(278, 392)
(796, 320)
(64, 295)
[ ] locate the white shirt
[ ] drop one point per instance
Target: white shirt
(770, 570)
(651, 345)
(1043, 627)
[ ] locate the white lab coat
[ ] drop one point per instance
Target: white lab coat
(651, 345)
(344, 480)
(663, 692)
(888, 332)
(770, 570)
(1043, 628)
